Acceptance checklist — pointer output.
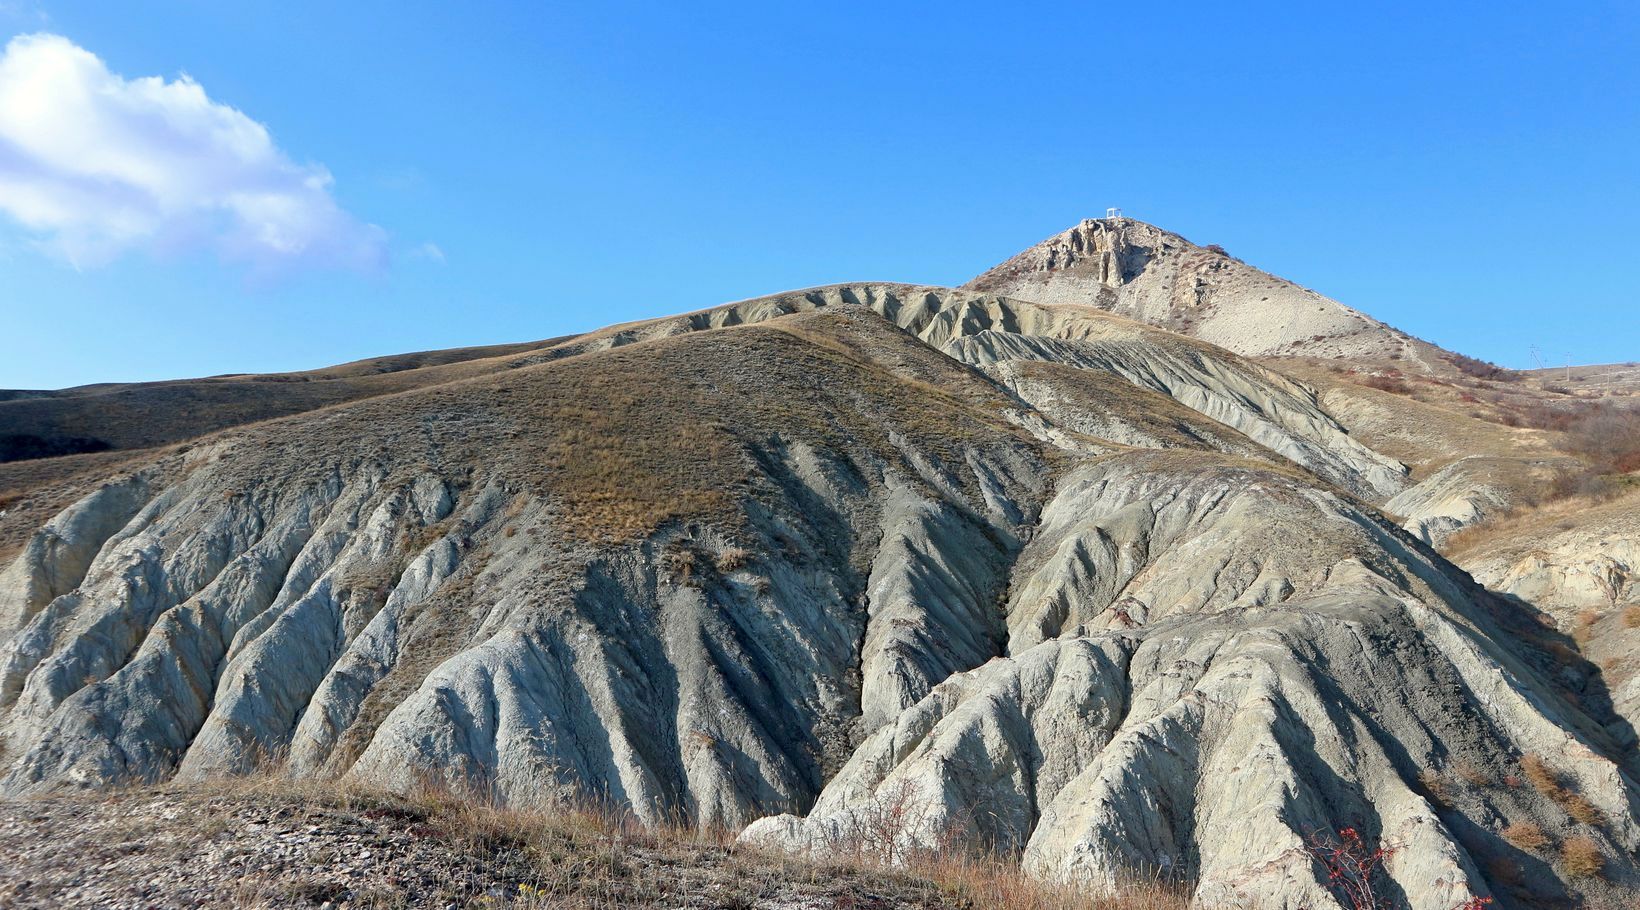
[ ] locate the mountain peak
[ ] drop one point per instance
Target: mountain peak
(1144, 272)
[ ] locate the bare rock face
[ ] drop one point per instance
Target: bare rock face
(1107, 597)
(1142, 272)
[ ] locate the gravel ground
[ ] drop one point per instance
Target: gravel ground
(165, 848)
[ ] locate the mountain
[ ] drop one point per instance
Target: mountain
(1142, 272)
(964, 567)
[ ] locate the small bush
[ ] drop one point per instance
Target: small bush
(1505, 871)
(1578, 806)
(1586, 621)
(1353, 869)
(1526, 836)
(1631, 617)
(1547, 781)
(682, 565)
(1581, 857)
(1387, 383)
(1608, 437)
(734, 559)
(1542, 777)
(1480, 369)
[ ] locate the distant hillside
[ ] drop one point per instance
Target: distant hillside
(139, 415)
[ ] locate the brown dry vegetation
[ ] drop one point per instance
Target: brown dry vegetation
(1547, 781)
(1526, 835)
(624, 440)
(1527, 527)
(436, 849)
(1582, 858)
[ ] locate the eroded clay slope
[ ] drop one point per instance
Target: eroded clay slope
(682, 587)
(796, 549)
(1208, 662)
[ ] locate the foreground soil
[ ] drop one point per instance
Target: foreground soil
(265, 847)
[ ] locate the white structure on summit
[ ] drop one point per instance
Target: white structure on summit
(1113, 214)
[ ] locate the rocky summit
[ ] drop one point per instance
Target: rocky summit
(1124, 561)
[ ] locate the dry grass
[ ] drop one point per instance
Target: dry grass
(1547, 781)
(1542, 777)
(146, 414)
(618, 441)
(1526, 527)
(1631, 617)
(733, 559)
(1582, 858)
(582, 854)
(1526, 836)
(1578, 806)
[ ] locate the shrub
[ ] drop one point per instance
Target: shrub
(1387, 383)
(1480, 369)
(1542, 777)
(1547, 782)
(1607, 436)
(734, 559)
(682, 565)
(1352, 868)
(1578, 806)
(1631, 617)
(1581, 857)
(1505, 871)
(1526, 836)
(1436, 788)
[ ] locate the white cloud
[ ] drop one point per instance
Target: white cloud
(429, 251)
(93, 165)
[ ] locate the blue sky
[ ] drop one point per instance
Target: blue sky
(477, 173)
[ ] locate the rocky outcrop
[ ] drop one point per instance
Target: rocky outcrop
(1142, 272)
